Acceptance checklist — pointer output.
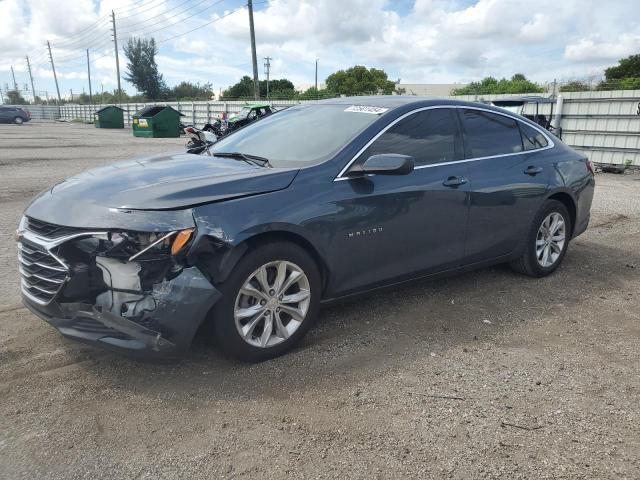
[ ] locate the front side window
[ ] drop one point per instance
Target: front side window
(488, 134)
(429, 136)
(532, 138)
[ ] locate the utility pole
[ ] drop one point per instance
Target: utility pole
(254, 59)
(15, 84)
(89, 75)
(54, 71)
(267, 70)
(33, 90)
(115, 43)
(316, 78)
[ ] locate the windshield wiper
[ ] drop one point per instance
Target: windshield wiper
(253, 159)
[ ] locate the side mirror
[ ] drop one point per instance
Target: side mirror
(384, 164)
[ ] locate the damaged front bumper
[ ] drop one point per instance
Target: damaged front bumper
(151, 306)
(181, 305)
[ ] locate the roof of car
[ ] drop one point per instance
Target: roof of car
(392, 102)
(389, 101)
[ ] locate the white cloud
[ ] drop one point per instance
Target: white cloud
(595, 49)
(428, 41)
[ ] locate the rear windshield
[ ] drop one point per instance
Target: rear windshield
(300, 135)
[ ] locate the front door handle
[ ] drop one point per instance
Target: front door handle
(454, 182)
(531, 170)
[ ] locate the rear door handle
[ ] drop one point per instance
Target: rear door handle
(454, 182)
(531, 170)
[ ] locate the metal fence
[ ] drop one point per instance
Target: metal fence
(605, 125)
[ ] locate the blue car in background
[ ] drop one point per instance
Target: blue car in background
(314, 203)
(17, 115)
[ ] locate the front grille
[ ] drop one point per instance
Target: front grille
(42, 274)
(50, 230)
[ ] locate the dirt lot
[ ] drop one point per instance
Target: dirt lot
(484, 375)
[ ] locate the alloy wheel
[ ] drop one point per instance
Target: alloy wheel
(272, 304)
(550, 239)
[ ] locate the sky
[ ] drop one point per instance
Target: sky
(416, 41)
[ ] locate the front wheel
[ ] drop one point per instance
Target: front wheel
(547, 241)
(269, 302)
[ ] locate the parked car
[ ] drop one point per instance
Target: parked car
(248, 113)
(15, 115)
(319, 202)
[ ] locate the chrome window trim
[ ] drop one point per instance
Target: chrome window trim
(550, 143)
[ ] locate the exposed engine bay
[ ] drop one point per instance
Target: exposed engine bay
(104, 273)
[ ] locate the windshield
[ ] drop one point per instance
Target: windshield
(298, 136)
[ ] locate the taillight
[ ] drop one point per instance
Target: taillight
(590, 167)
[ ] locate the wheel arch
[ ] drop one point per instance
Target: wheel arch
(232, 255)
(566, 198)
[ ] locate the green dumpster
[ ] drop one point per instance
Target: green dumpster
(109, 117)
(156, 121)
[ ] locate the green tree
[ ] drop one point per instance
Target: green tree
(575, 86)
(14, 98)
(142, 69)
(360, 80)
(627, 68)
(624, 76)
(242, 89)
(191, 91)
(490, 85)
(280, 89)
(312, 93)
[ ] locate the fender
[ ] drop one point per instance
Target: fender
(217, 257)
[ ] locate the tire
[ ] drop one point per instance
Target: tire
(18, 120)
(231, 313)
(534, 264)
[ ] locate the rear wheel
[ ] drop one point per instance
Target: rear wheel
(547, 241)
(269, 302)
(18, 121)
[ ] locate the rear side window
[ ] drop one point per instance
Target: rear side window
(429, 136)
(532, 139)
(489, 134)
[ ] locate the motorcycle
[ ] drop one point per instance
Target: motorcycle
(200, 140)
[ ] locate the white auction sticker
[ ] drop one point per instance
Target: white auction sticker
(366, 109)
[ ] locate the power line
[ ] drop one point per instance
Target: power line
(169, 11)
(200, 26)
(133, 7)
(175, 23)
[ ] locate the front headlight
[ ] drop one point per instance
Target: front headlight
(129, 246)
(169, 243)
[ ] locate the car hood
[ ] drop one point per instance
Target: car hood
(166, 182)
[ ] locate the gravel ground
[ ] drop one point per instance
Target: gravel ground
(484, 375)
